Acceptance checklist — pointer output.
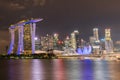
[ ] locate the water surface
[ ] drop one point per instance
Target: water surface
(59, 69)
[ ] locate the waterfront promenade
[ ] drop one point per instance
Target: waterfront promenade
(110, 56)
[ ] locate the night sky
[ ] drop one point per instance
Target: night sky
(62, 16)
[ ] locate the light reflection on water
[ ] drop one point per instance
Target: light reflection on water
(102, 72)
(87, 70)
(59, 69)
(37, 70)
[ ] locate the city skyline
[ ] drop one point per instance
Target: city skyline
(60, 39)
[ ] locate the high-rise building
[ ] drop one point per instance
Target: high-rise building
(55, 41)
(47, 42)
(76, 32)
(27, 39)
(92, 40)
(108, 41)
(95, 34)
(107, 34)
(73, 41)
(37, 43)
(95, 42)
(67, 42)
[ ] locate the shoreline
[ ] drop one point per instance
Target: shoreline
(28, 56)
(110, 57)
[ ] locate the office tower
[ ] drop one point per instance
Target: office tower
(47, 42)
(73, 41)
(67, 42)
(76, 32)
(96, 34)
(108, 41)
(55, 41)
(92, 40)
(95, 42)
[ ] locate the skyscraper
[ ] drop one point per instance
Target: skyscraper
(73, 40)
(108, 41)
(55, 41)
(76, 32)
(95, 42)
(67, 42)
(95, 34)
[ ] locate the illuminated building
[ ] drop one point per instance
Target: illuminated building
(55, 40)
(73, 41)
(108, 41)
(95, 42)
(70, 45)
(27, 39)
(117, 46)
(76, 32)
(67, 42)
(108, 34)
(43, 43)
(95, 34)
(83, 43)
(22, 37)
(84, 48)
(37, 43)
(47, 42)
(92, 39)
(56, 36)
(50, 42)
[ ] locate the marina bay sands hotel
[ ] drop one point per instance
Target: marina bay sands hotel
(23, 37)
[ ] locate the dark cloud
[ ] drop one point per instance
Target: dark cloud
(20, 4)
(16, 6)
(39, 2)
(10, 5)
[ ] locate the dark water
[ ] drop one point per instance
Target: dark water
(59, 69)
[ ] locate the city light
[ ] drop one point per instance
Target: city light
(36, 38)
(76, 31)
